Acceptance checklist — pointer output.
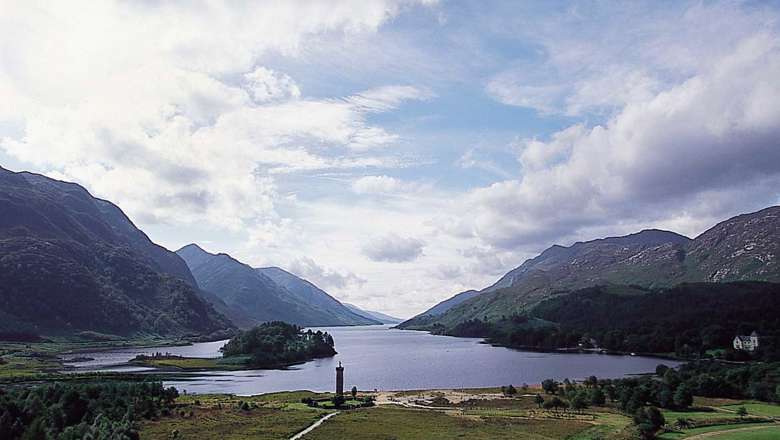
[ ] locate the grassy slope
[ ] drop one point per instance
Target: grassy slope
(708, 429)
(759, 433)
(407, 424)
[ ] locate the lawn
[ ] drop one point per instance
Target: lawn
(703, 430)
(757, 409)
(382, 423)
(671, 416)
(757, 433)
(232, 423)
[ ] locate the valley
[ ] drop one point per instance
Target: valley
(588, 333)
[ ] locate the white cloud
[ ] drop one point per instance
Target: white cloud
(393, 248)
(376, 185)
(324, 278)
(600, 58)
(268, 85)
(139, 104)
(708, 144)
(382, 99)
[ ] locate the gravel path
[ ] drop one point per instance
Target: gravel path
(313, 426)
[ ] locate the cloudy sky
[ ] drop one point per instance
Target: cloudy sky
(397, 152)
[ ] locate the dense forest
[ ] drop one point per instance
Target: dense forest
(64, 411)
(687, 320)
(277, 343)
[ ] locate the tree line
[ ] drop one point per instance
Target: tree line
(90, 411)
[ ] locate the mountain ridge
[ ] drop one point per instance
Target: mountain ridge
(379, 316)
(72, 263)
(259, 298)
(650, 258)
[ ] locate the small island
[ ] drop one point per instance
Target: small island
(274, 344)
(277, 344)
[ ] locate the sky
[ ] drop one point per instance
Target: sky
(396, 152)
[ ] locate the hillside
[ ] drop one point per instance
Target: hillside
(313, 295)
(252, 297)
(739, 249)
(378, 316)
(71, 263)
(686, 319)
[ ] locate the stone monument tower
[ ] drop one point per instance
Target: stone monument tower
(339, 380)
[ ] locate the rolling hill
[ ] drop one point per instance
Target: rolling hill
(743, 248)
(71, 263)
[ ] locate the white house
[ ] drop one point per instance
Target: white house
(746, 343)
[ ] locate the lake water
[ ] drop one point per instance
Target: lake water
(378, 357)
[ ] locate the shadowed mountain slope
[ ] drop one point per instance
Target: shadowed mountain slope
(71, 263)
(250, 294)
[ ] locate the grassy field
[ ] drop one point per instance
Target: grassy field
(280, 415)
(758, 433)
(270, 416)
(712, 414)
(708, 429)
(719, 415)
(231, 423)
(757, 409)
(382, 423)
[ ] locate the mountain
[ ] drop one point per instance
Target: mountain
(72, 263)
(252, 297)
(378, 316)
(311, 294)
(739, 249)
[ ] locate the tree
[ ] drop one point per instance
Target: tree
(683, 398)
(597, 397)
(648, 420)
(742, 412)
(539, 400)
(555, 404)
(578, 403)
(664, 396)
(510, 390)
(550, 386)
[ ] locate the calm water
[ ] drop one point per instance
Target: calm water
(377, 357)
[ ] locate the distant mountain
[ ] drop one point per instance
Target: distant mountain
(740, 249)
(72, 263)
(311, 294)
(379, 316)
(251, 296)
